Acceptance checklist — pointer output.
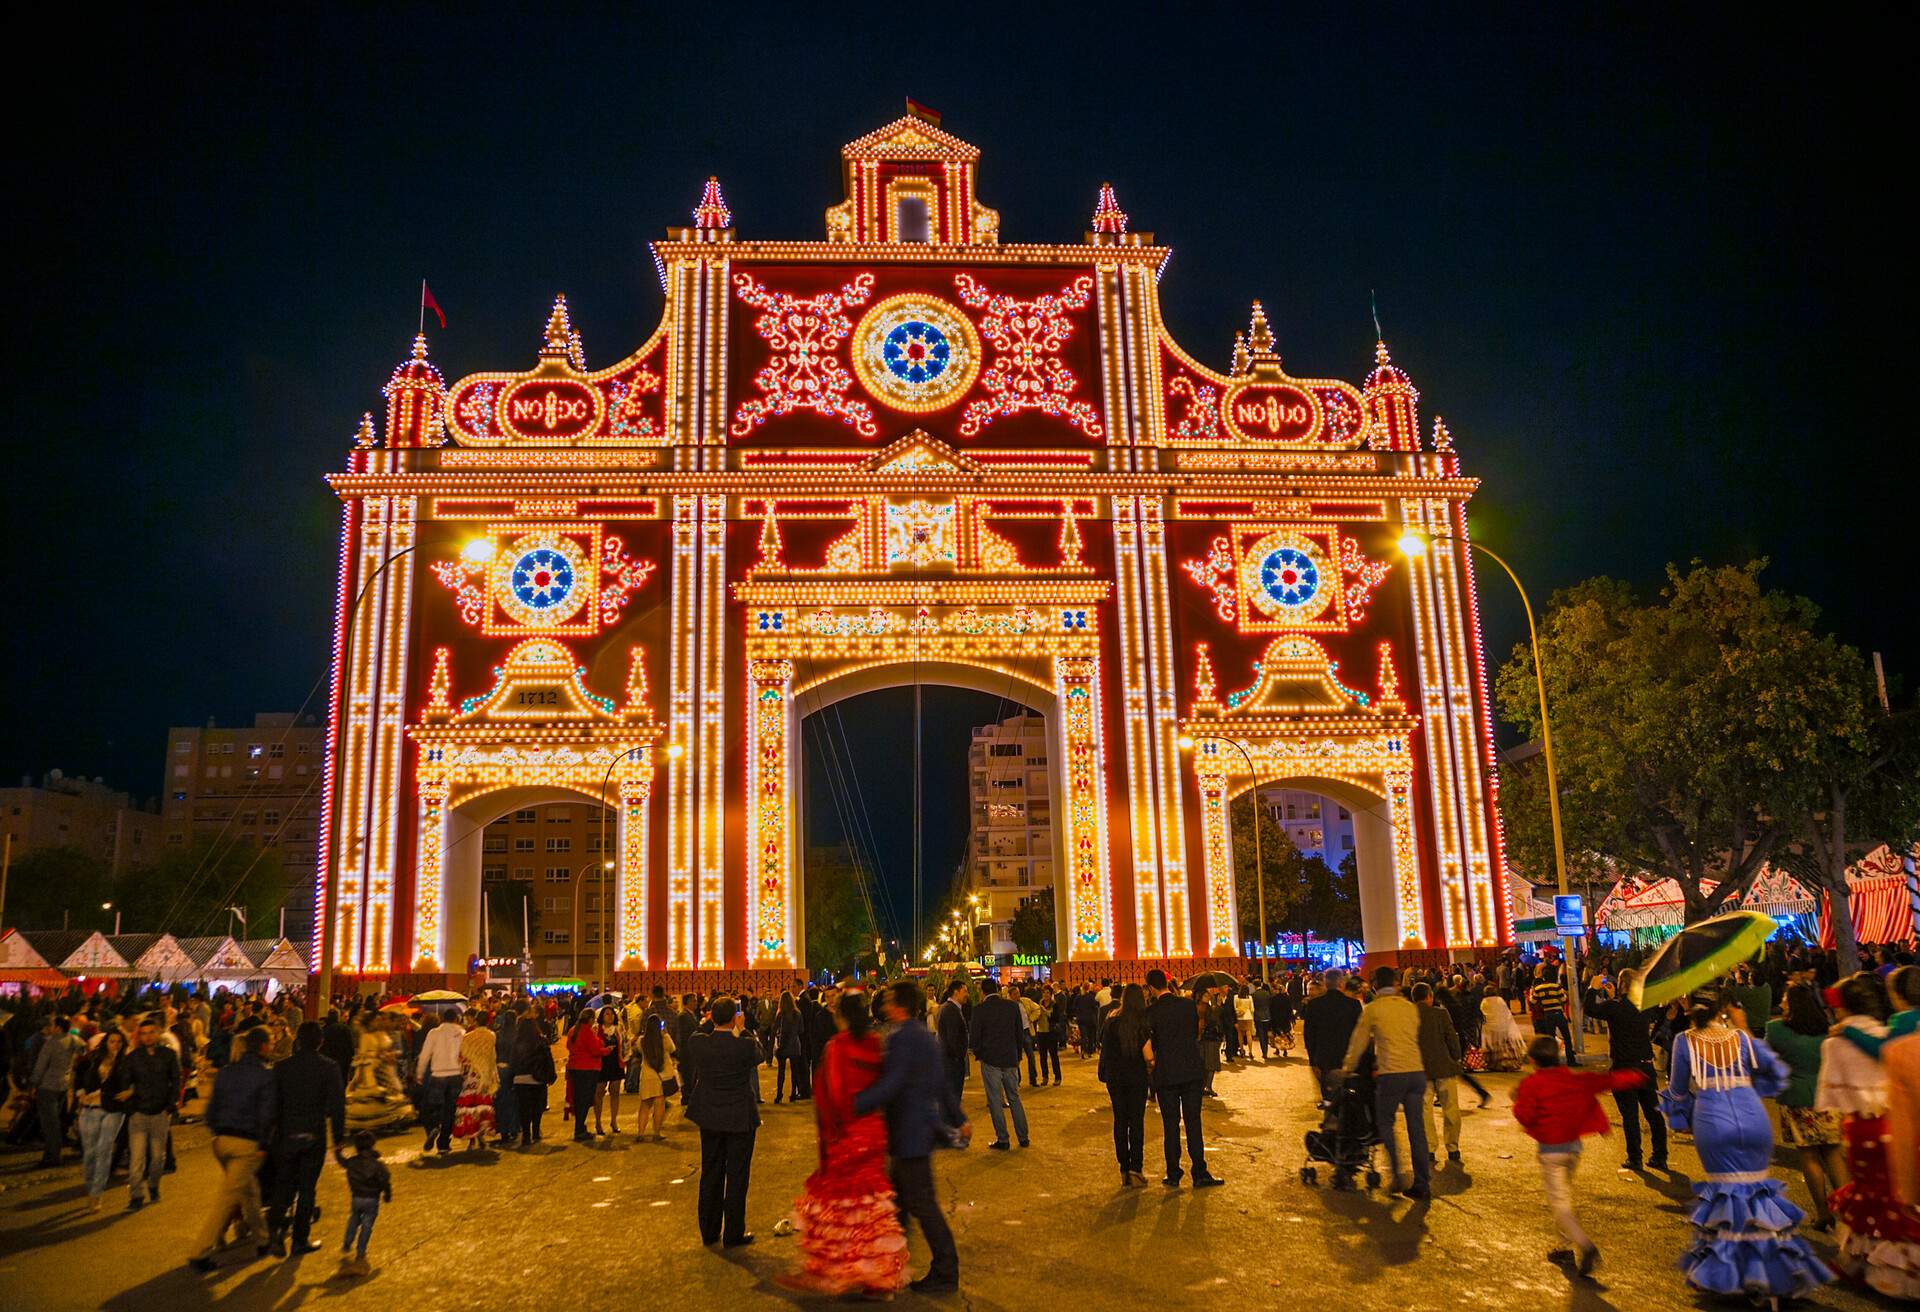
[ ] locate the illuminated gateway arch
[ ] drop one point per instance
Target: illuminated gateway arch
(909, 451)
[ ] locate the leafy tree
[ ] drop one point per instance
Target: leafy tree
(1334, 895)
(1032, 928)
(56, 886)
(839, 927)
(1861, 790)
(1683, 727)
(187, 890)
(1280, 865)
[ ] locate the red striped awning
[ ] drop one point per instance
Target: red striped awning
(1881, 912)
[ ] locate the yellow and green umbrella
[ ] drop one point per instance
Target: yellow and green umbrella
(1698, 955)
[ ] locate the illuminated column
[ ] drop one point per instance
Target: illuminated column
(1443, 700)
(1077, 688)
(372, 738)
(1486, 884)
(681, 809)
(1398, 779)
(1164, 732)
(770, 795)
(1149, 926)
(710, 754)
(631, 953)
(1210, 771)
(390, 742)
(429, 884)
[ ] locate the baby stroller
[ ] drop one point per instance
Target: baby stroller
(1347, 1135)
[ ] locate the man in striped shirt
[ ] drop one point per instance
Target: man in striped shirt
(1550, 1005)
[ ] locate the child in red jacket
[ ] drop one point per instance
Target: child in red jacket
(1559, 1107)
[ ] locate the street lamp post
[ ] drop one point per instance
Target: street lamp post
(1415, 543)
(1187, 743)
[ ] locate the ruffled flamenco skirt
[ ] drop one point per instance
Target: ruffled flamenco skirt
(848, 1245)
(1743, 1224)
(1744, 1241)
(472, 1111)
(1879, 1236)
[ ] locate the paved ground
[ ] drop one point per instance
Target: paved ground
(612, 1226)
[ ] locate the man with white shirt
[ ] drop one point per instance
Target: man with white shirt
(439, 1071)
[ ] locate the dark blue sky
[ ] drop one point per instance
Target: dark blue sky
(1646, 265)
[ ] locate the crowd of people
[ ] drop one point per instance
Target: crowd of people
(885, 1069)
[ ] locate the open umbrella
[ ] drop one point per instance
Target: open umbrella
(401, 1008)
(432, 996)
(1697, 955)
(1209, 979)
(606, 1000)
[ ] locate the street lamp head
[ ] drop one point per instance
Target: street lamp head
(477, 552)
(106, 906)
(1413, 543)
(675, 751)
(606, 865)
(1184, 743)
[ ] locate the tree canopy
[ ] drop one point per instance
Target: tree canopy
(1697, 734)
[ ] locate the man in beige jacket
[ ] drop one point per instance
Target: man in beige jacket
(1391, 1024)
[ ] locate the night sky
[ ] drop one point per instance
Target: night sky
(1648, 273)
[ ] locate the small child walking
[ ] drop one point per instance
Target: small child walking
(368, 1181)
(1558, 1107)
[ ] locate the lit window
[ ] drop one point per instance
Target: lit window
(559, 845)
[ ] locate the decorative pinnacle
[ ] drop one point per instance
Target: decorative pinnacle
(559, 329)
(1442, 439)
(1389, 677)
(576, 351)
(1239, 353)
(1204, 687)
(364, 436)
(1259, 335)
(712, 211)
(770, 540)
(1108, 217)
(1380, 357)
(420, 346)
(1070, 544)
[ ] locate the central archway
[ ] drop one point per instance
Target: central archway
(1371, 815)
(1012, 683)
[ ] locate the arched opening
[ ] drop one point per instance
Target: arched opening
(988, 827)
(534, 858)
(1346, 811)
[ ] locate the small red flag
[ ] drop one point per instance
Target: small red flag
(428, 303)
(923, 112)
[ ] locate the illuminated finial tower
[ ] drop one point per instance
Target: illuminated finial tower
(1391, 401)
(415, 396)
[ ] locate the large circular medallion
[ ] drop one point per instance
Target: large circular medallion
(537, 580)
(916, 353)
(1285, 579)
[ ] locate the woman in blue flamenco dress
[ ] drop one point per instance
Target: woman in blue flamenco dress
(1744, 1240)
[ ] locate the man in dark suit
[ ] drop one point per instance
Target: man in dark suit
(995, 1033)
(1328, 1022)
(312, 1098)
(1173, 1023)
(723, 1073)
(951, 1024)
(920, 1106)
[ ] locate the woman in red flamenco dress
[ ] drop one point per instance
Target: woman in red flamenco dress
(846, 1220)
